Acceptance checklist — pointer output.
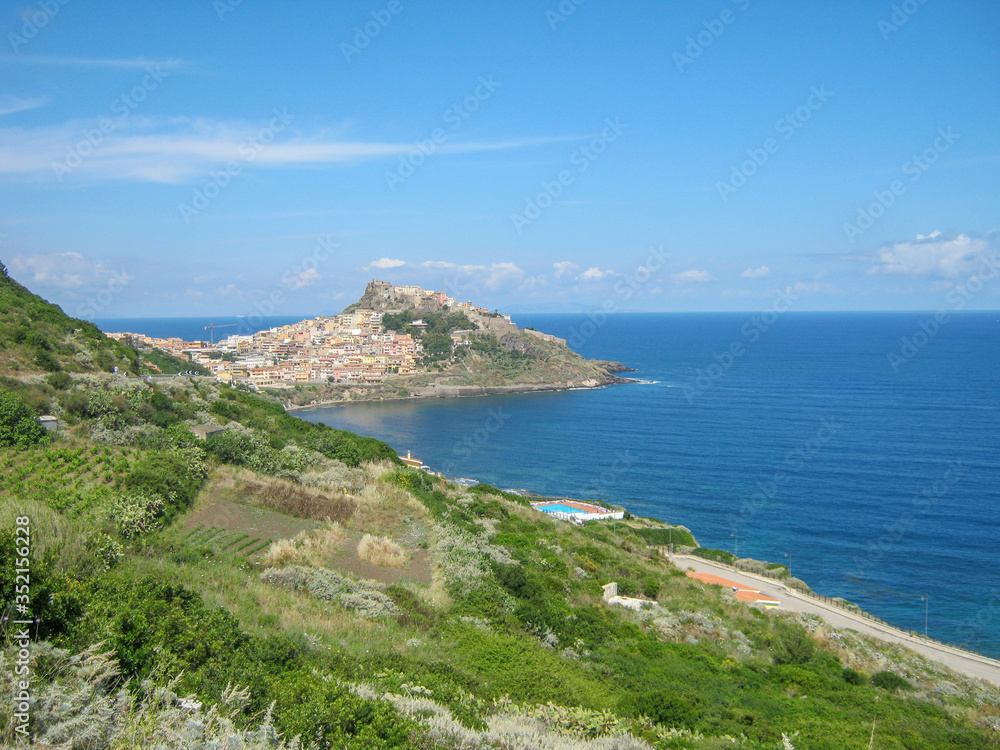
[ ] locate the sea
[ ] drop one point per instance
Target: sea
(860, 449)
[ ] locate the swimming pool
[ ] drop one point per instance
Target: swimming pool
(558, 508)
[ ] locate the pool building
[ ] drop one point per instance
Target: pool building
(577, 512)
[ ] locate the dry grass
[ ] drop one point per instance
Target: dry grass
(380, 550)
(308, 547)
(291, 498)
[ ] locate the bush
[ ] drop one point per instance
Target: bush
(793, 645)
(890, 681)
(136, 513)
(59, 380)
(720, 555)
(380, 550)
(176, 476)
(670, 709)
(19, 425)
(854, 677)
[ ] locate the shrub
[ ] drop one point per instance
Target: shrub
(59, 380)
(380, 550)
(136, 513)
(176, 476)
(793, 645)
(854, 677)
(890, 681)
(293, 499)
(720, 555)
(19, 426)
(668, 708)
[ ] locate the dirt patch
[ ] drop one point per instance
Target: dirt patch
(223, 524)
(417, 570)
(249, 519)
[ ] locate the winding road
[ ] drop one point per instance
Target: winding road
(966, 662)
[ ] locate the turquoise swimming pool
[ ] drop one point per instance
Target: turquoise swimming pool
(559, 508)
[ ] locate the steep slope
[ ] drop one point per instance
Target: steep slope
(295, 581)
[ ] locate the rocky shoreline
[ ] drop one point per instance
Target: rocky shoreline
(357, 394)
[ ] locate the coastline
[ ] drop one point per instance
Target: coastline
(439, 390)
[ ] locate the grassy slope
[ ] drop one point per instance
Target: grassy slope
(511, 615)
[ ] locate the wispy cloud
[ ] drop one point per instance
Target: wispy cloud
(692, 276)
(180, 150)
(90, 62)
(11, 104)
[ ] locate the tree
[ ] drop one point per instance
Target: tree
(19, 425)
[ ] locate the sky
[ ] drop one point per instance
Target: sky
(240, 156)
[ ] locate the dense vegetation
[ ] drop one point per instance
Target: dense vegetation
(482, 624)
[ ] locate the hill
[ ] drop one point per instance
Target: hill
(464, 350)
(207, 570)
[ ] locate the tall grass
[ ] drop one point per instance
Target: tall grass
(380, 550)
(291, 498)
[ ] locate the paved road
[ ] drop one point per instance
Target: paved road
(957, 659)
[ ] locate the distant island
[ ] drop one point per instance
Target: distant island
(394, 342)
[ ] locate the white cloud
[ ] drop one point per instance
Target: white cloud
(756, 273)
(181, 150)
(564, 267)
(92, 62)
(307, 278)
(934, 255)
(61, 270)
(694, 275)
(594, 273)
(193, 293)
(11, 104)
(533, 281)
(491, 276)
(385, 263)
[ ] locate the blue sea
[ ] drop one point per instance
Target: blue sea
(859, 448)
(193, 328)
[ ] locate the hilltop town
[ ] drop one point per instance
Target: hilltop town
(424, 342)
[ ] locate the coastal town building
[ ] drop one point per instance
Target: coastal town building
(350, 348)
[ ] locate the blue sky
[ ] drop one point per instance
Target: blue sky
(215, 158)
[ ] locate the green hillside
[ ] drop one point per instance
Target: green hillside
(286, 584)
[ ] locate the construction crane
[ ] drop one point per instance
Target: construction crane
(211, 327)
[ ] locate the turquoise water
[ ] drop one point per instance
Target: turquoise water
(559, 507)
